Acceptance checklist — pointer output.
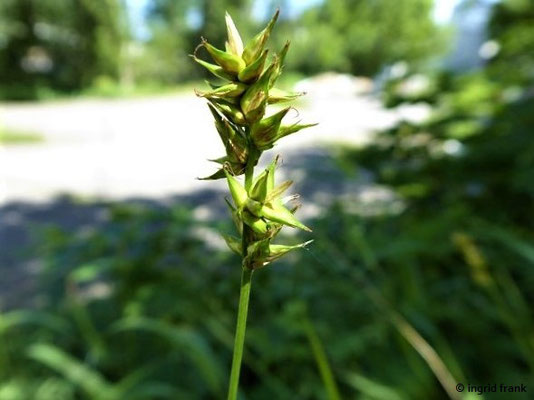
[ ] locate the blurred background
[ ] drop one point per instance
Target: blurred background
(418, 184)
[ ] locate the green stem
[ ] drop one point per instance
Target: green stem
(242, 312)
(249, 175)
(244, 296)
(254, 156)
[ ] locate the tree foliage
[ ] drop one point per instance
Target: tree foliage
(361, 37)
(69, 45)
(511, 26)
(63, 45)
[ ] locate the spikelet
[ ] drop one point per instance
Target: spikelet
(235, 44)
(255, 46)
(254, 99)
(265, 132)
(254, 70)
(230, 62)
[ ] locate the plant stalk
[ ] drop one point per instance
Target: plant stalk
(242, 312)
(244, 296)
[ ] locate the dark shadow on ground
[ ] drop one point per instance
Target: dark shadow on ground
(317, 178)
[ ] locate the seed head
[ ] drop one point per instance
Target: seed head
(238, 106)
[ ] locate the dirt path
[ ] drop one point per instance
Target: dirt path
(149, 147)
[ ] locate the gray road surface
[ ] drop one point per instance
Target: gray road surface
(150, 147)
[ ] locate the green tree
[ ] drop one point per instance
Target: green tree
(212, 13)
(168, 43)
(362, 36)
(63, 45)
(511, 26)
(175, 28)
(102, 20)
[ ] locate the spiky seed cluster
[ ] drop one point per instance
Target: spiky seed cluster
(238, 106)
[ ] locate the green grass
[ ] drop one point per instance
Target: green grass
(115, 90)
(12, 137)
(105, 88)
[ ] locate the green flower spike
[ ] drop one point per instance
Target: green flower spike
(238, 106)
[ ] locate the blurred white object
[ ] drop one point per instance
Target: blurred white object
(333, 84)
(452, 147)
(37, 60)
(414, 113)
(398, 70)
(414, 85)
(489, 49)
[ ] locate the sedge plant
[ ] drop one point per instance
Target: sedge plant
(239, 102)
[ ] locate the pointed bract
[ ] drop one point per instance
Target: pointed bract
(229, 90)
(254, 207)
(257, 224)
(235, 216)
(216, 70)
(271, 168)
(238, 192)
(256, 254)
(288, 130)
(262, 253)
(264, 132)
(278, 250)
(251, 72)
(255, 46)
(280, 57)
(282, 215)
(217, 175)
(229, 110)
(257, 179)
(230, 62)
(277, 191)
(235, 44)
(233, 243)
(283, 53)
(258, 191)
(280, 96)
(254, 99)
(235, 145)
